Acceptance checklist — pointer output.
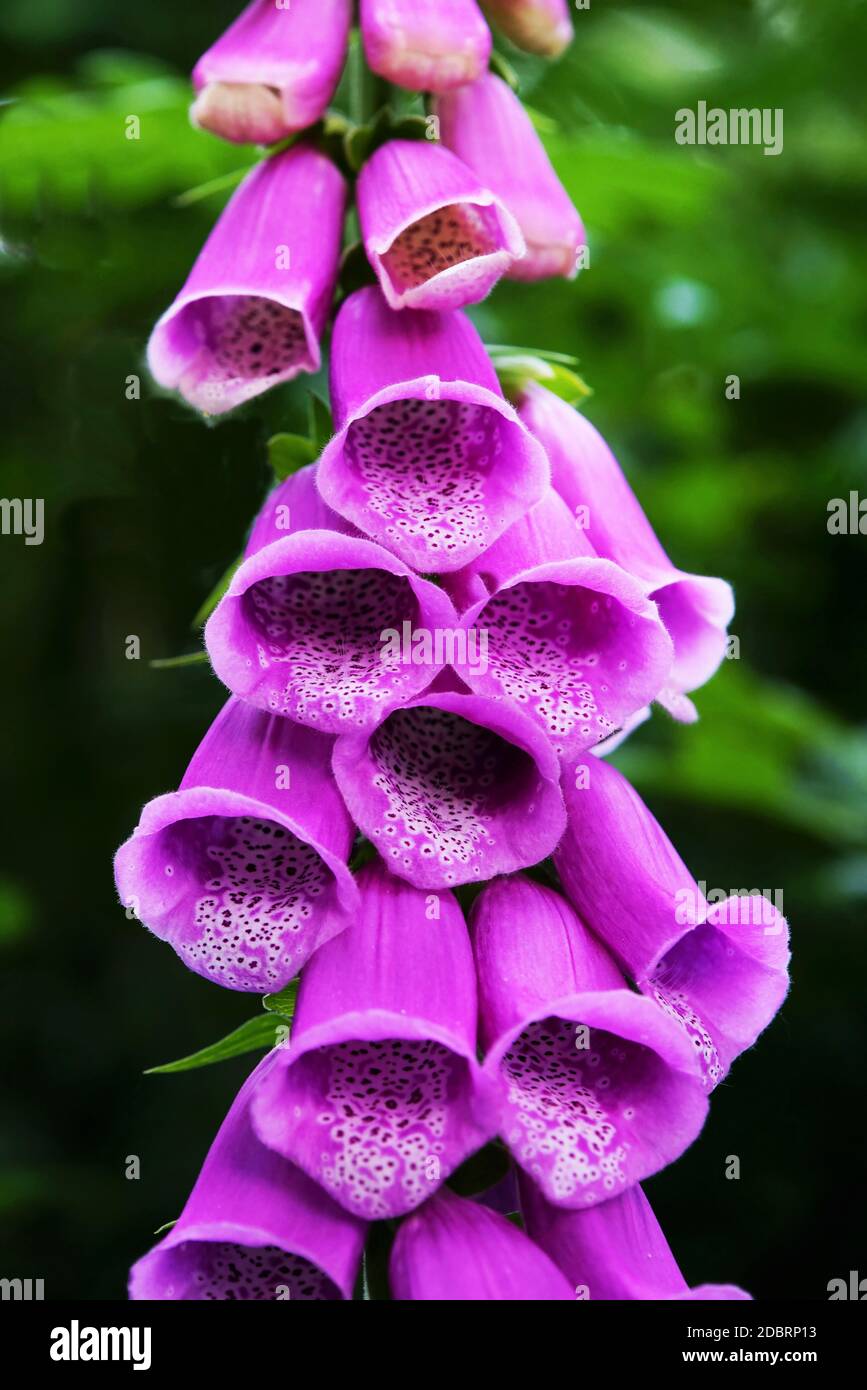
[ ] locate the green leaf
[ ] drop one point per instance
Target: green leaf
(166, 1226)
(321, 424)
(168, 663)
(282, 1003)
(409, 128)
(480, 1172)
(289, 452)
(257, 1034)
(503, 68)
(515, 371)
(207, 190)
(207, 607)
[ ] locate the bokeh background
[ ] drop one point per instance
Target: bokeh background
(705, 263)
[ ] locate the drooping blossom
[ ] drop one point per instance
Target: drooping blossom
(307, 627)
(537, 26)
(379, 1096)
(486, 126)
(599, 1087)
(273, 71)
(436, 237)
(429, 459)
(454, 1250)
(253, 1227)
(614, 1251)
(696, 609)
(243, 869)
(425, 47)
(253, 308)
(571, 638)
(720, 970)
(453, 788)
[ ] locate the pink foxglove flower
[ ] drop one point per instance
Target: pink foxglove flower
(253, 308)
(273, 71)
(436, 237)
(243, 869)
(426, 45)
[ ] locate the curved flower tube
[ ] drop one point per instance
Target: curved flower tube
(570, 637)
(254, 305)
(453, 1250)
(379, 1096)
(436, 237)
(311, 627)
(695, 609)
(614, 1251)
(486, 126)
(429, 459)
(453, 788)
(296, 504)
(425, 47)
(600, 1088)
(243, 869)
(273, 71)
(719, 970)
(253, 1227)
(537, 26)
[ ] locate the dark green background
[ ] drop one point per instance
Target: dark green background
(704, 263)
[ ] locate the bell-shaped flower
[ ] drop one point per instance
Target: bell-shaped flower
(436, 237)
(427, 47)
(486, 126)
(537, 26)
(571, 638)
(318, 625)
(379, 1096)
(695, 609)
(429, 459)
(454, 1250)
(614, 1251)
(453, 788)
(253, 1227)
(243, 869)
(253, 308)
(719, 969)
(600, 1088)
(273, 71)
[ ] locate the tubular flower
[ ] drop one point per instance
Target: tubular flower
(273, 71)
(429, 459)
(243, 869)
(453, 788)
(380, 1097)
(294, 505)
(570, 637)
(254, 305)
(696, 609)
(720, 971)
(600, 1088)
(436, 237)
(310, 628)
(488, 128)
(614, 1251)
(537, 26)
(253, 1227)
(425, 47)
(452, 1250)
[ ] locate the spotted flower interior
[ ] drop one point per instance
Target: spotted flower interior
(237, 346)
(201, 1270)
(455, 235)
(316, 640)
(450, 788)
(379, 1124)
(237, 896)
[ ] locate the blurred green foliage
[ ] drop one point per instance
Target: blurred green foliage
(704, 263)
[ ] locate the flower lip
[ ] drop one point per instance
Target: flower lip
(454, 830)
(230, 1255)
(314, 606)
(169, 876)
